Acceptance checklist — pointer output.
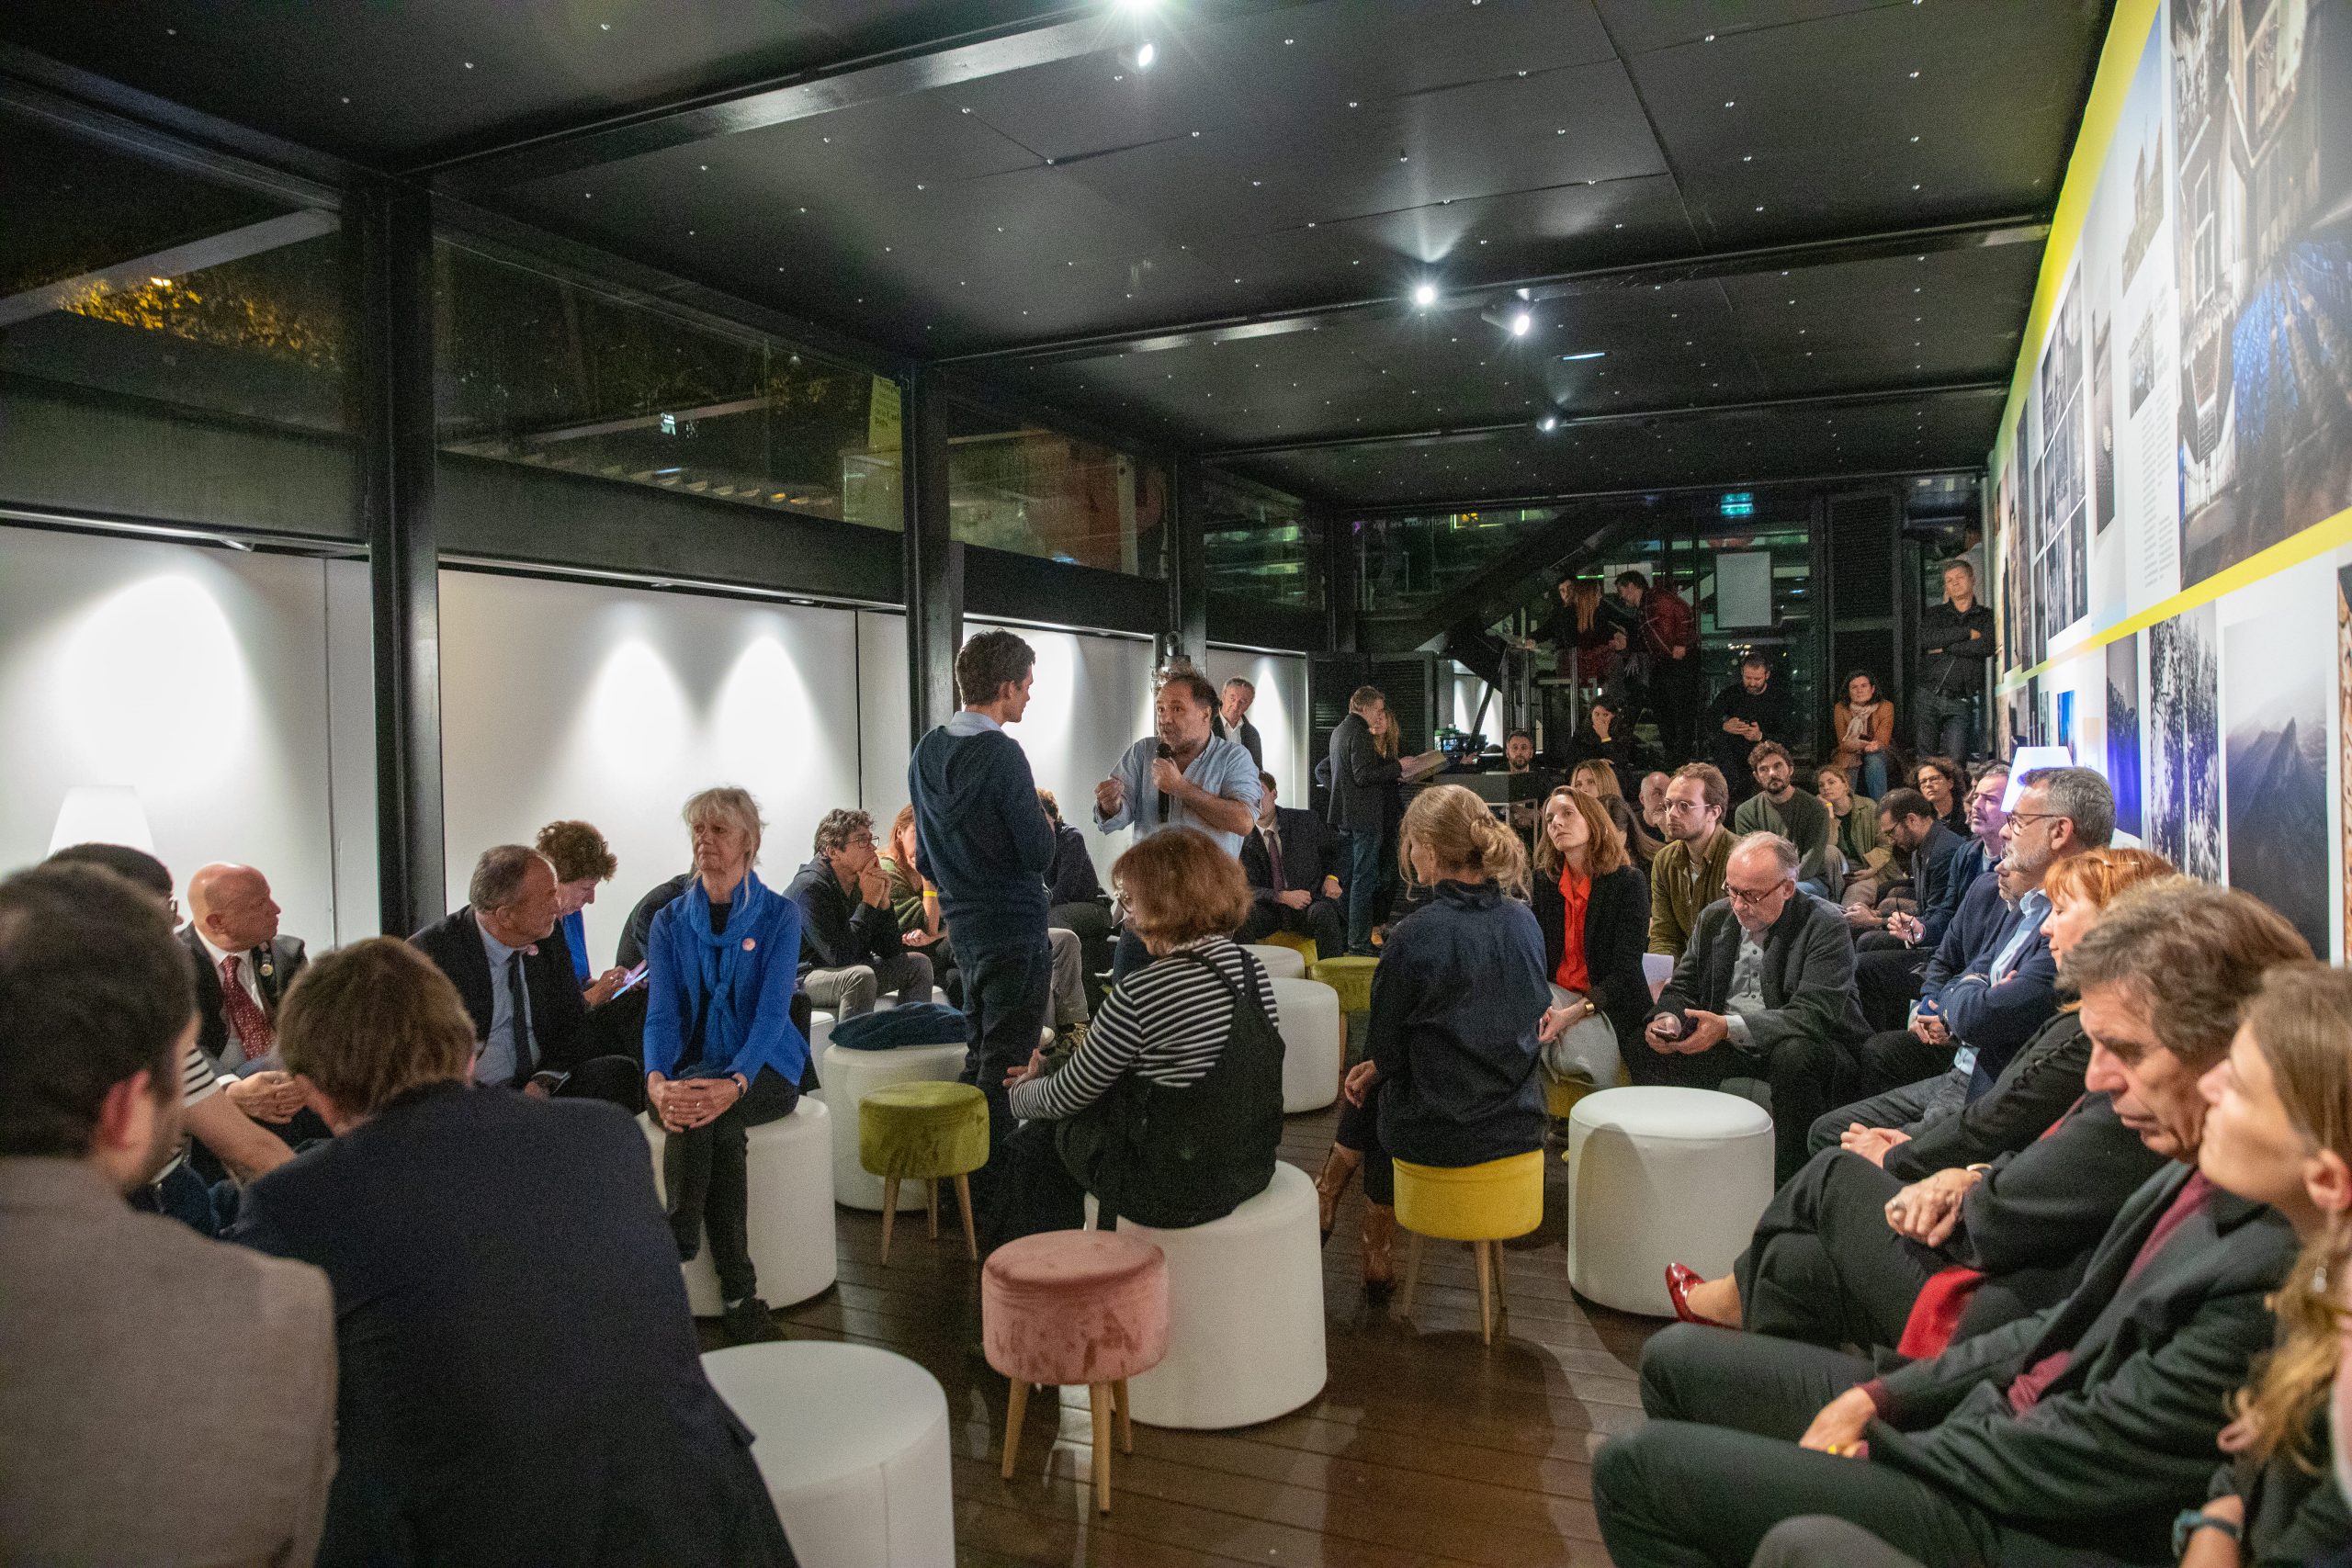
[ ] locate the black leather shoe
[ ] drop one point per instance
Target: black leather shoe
(749, 1322)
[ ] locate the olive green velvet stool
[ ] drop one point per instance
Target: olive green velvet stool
(925, 1132)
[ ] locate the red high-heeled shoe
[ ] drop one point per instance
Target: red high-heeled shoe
(1680, 1278)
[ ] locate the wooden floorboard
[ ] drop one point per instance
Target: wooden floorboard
(1425, 1448)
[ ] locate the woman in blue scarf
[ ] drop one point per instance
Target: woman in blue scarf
(723, 1054)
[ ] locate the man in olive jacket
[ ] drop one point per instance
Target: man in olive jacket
(1765, 991)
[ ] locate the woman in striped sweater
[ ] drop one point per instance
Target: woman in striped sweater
(1170, 1111)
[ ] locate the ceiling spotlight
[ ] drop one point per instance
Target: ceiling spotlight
(1587, 354)
(1425, 295)
(1519, 324)
(1548, 423)
(1146, 52)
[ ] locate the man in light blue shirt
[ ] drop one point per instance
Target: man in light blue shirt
(1180, 776)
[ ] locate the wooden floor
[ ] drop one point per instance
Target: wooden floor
(1425, 1447)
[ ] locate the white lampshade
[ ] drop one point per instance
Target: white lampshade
(2027, 759)
(102, 813)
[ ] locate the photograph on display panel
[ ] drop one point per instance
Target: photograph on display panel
(2124, 731)
(2276, 699)
(2262, 196)
(2344, 734)
(2183, 804)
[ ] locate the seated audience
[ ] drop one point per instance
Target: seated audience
(242, 1149)
(1858, 840)
(1688, 873)
(1987, 817)
(1779, 807)
(581, 860)
(1988, 988)
(2082, 1430)
(1941, 871)
(913, 900)
(1292, 864)
(850, 951)
(1594, 904)
(1598, 779)
(1518, 752)
(1169, 1111)
(1746, 713)
(511, 968)
(631, 950)
(242, 966)
(1449, 1076)
(1605, 735)
(1766, 990)
(163, 1398)
(517, 1376)
(723, 1050)
(2037, 1177)
(1945, 783)
(1863, 726)
(1652, 803)
(1076, 900)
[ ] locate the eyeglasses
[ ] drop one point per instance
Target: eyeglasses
(1748, 900)
(2017, 817)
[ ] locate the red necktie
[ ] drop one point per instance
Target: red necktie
(1274, 858)
(255, 1032)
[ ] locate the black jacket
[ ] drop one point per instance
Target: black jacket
(1310, 853)
(557, 1011)
(273, 968)
(1941, 871)
(1952, 663)
(1808, 974)
(2036, 1088)
(1248, 739)
(630, 951)
(1766, 709)
(1360, 775)
(518, 1378)
(1071, 879)
(1616, 933)
(837, 928)
(2123, 1438)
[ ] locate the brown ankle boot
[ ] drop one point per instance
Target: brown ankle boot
(1339, 1169)
(1379, 1250)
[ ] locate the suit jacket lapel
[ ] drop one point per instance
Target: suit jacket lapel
(473, 976)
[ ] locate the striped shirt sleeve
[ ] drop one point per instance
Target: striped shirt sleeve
(1167, 1022)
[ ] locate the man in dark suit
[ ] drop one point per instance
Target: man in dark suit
(1897, 950)
(1233, 706)
(2076, 1432)
(242, 967)
(1293, 864)
(513, 970)
(517, 1372)
(1360, 779)
(1766, 990)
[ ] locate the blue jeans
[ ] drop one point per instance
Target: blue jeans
(1944, 725)
(1363, 888)
(1872, 783)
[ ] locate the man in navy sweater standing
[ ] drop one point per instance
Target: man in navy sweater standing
(983, 840)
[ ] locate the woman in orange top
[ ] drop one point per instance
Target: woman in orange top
(1863, 725)
(1594, 906)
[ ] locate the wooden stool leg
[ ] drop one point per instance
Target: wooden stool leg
(1014, 1409)
(1502, 1307)
(1099, 1395)
(1412, 1273)
(1486, 1303)
(1127, 1417)
(963, 1202)
(930, 1191)
(889, 1212)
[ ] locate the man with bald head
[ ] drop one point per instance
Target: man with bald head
(243, 967)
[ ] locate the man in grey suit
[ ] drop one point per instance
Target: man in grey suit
(131, 1429)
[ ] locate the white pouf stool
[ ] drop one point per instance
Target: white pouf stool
(1281, 963)
(849, 1076)
(1661, 1175)
(1245, 1312)
(789, 1179)
(852, 1442)
(1315, 1041)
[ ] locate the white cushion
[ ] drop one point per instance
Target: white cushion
(1661, 1175)
(790, 1183)
(1314, 1040)
(849, 1076)
(1245, 1312)
(852, 1442)
(1657, 968)
(1281, 963)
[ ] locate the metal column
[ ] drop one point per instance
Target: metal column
(934, 562)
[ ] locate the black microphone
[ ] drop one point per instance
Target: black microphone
(1166, 754)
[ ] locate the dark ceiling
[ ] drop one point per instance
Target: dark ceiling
(1219, 252)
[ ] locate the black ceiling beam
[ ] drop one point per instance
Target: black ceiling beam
(1064, 33)
(1615, 416)
(2029, 229)
(1564, 497)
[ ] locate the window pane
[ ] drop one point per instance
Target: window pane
(1039, 493)
(538, 370)
(1261, 544)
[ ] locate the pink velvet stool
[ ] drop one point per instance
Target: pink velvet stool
(1071, 1307)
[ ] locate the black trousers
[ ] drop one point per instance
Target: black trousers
(1717, 1466)
(1806, 1077)
(616, 1080)
(1817, 1541)
(705, 1175)
(1322, 918)
(1038, 1192)
(1886, 979)
(1823, 1266)
(1889, 1060)
(1902, 1109)
(1008, 989)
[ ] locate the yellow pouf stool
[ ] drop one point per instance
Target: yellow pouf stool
(924, 1132)
(1302, 946)
(1352, 977)
(1482, 1204)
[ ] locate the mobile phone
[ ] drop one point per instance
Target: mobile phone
(636, 978)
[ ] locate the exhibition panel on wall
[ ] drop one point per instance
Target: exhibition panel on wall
(2173, 475)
